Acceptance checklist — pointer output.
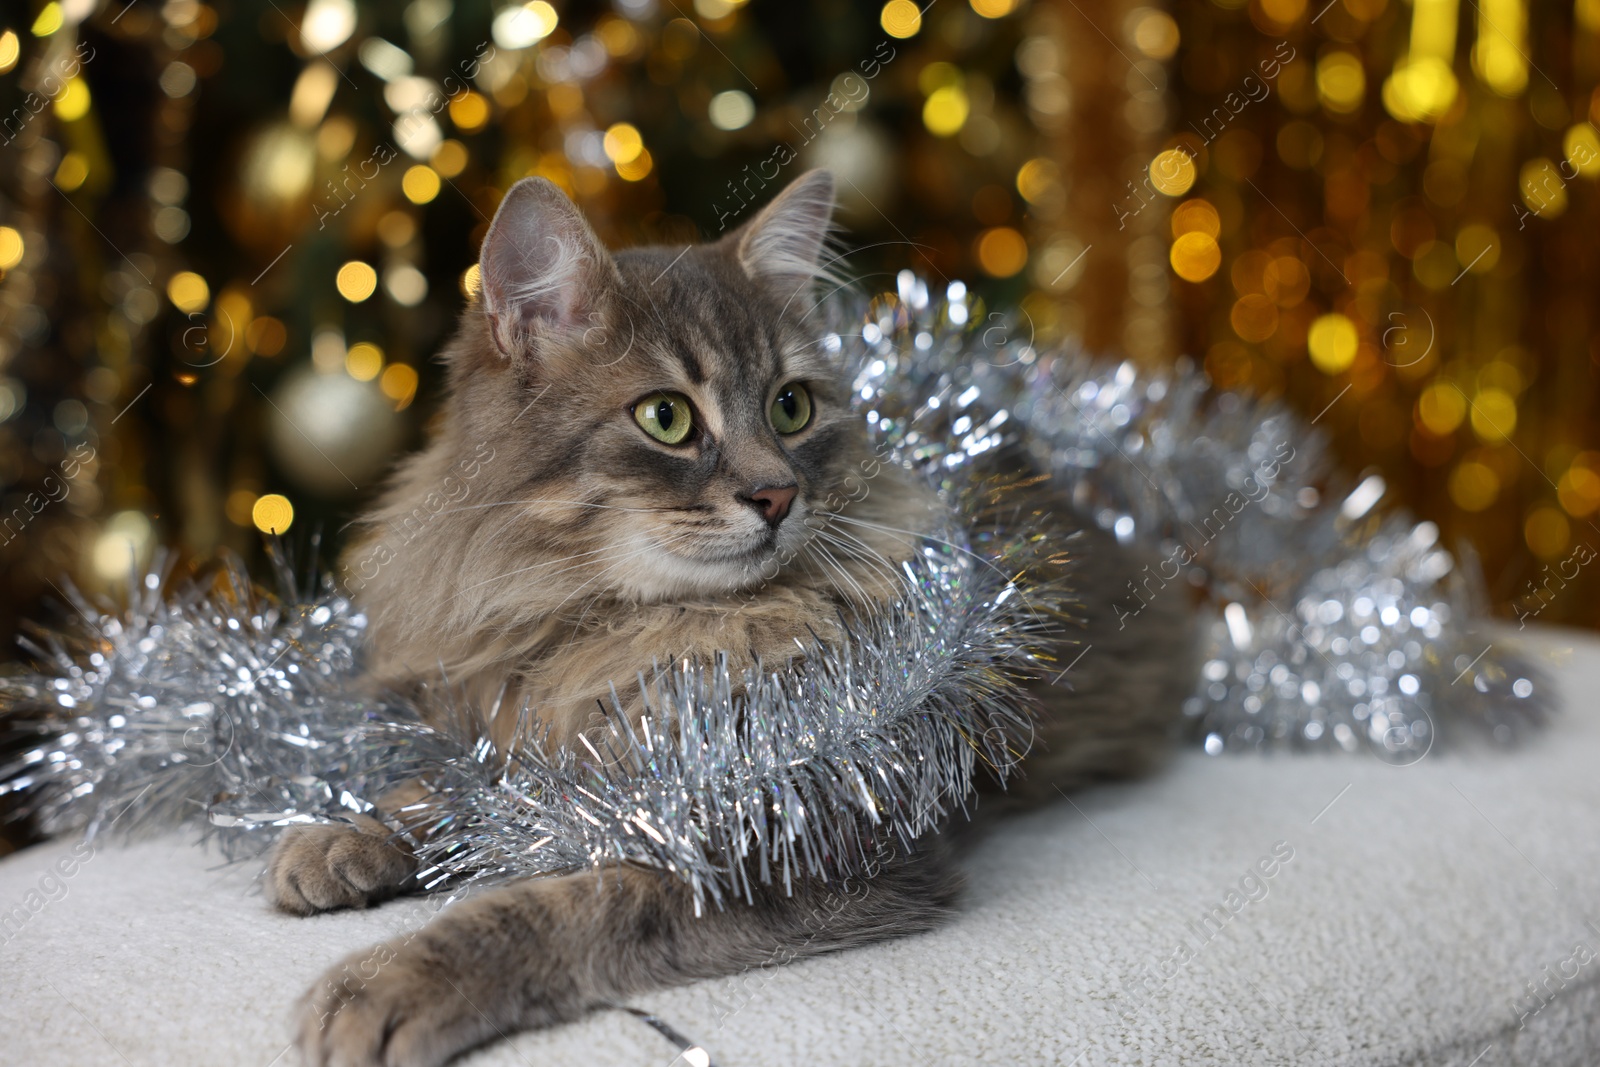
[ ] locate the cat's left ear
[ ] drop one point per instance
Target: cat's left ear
(783, 246)
(541, 266)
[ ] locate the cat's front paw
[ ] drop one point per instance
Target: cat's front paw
(402, 1004)
(316, 868)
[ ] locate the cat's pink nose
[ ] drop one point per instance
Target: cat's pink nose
(773, 502)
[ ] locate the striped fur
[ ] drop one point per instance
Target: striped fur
(583, 552)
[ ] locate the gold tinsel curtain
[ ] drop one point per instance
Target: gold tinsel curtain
(232, 235)
(1384, 211)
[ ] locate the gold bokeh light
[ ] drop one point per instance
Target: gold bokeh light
(900, 18)
(272, 514)
(356, 281)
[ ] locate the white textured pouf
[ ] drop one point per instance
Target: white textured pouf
(1409, 916)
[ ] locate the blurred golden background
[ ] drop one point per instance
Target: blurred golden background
(233, 233)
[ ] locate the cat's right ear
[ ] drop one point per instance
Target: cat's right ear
(541, 268)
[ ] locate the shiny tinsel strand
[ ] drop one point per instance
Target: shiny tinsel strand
(803, 772)
(1329, 626)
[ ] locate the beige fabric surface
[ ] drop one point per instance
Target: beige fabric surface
(1418, 905)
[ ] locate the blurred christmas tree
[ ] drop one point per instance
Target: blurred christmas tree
(233, 234)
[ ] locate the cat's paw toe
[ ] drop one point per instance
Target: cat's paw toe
(388, 1007)
(317, 868)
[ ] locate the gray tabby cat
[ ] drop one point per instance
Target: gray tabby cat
(668, 446)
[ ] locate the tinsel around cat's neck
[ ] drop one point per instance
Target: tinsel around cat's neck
(1329, 627)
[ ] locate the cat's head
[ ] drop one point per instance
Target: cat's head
(671, 415)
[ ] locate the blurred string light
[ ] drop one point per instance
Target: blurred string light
(1494, 415)
(327, 24)
(1341, 82)
(73, 102)
(49, 20)
(947, 107)
(1172, 172)
(168, 189)
(715, 10)
(1299, 308)
(1038, 179)
(125, 544)
(1499, 53)
(405, 284)
(356, 281)
(385, 59)
(623, 143)
(1474, 485)
(1547, 532)
(188, 292)
(10, 49)
(946, 110)
(312, 93)
(71, 172)
(364, 361)
(272, 513)
(1579, 488)
(637, 168)
(12, 248)
(1002, 251)
(1581, 146)
(266, 335)
(1332, 343)
(1423, 86)
(469, 111)
(1195, 256)
(1441, 408)
(420, 184)
(239, 505)
(624, 146)
(1154, 33)
(1543, 189)
(524, 25)
(328, 349)
(731, 110)
(1407, 281)
(449, 159)
(900, 18)
(399, 384)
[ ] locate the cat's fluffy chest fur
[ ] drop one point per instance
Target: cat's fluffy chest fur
(560, 652)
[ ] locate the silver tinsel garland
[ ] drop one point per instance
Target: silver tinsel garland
(1328, 627)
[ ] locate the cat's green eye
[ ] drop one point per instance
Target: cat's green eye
(665, 416)
(791, 409)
